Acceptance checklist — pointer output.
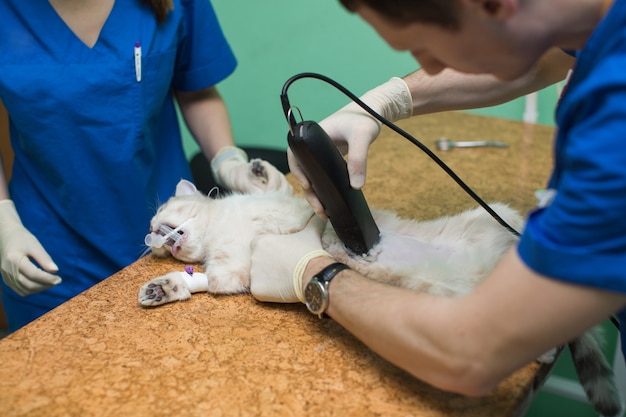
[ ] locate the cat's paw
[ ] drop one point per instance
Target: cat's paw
(164, 289)
(266, 177)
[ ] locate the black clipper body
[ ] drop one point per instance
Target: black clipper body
(327, 172)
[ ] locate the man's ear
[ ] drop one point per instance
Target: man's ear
(498, 9)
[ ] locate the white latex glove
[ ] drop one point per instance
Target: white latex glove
(278, 279)
(232, 170)
(18, 248)
(353, 130)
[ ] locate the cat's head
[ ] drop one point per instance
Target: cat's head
(177, 226)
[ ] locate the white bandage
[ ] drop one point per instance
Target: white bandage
(197, 282)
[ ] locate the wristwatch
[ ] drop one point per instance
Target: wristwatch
(316, 291)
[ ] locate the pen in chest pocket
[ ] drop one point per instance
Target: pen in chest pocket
(138, 61)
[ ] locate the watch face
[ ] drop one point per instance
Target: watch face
(315, 296)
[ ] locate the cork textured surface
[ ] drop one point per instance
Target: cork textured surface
(101, 354)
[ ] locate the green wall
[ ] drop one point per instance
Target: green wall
(276, 39)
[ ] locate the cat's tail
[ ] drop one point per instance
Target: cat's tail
(595, 374)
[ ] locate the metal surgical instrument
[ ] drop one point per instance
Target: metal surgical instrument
(445, 144)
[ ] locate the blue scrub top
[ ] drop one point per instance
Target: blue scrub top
(96, 151)
(581, 236)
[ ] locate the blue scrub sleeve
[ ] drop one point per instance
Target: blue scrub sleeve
(204, 56)
(581, 236)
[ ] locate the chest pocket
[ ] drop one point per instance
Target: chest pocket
(157, 70)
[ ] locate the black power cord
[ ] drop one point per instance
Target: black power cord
(290, 118)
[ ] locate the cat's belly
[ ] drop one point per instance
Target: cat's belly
(395, 250)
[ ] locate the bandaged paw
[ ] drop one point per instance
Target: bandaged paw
(174, 286)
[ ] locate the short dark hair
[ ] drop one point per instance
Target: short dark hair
(440, 12)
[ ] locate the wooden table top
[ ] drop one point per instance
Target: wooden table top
(101, 354)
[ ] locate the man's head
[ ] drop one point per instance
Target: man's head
(500, 37)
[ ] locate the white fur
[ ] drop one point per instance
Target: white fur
(447, 256)
(218, 232)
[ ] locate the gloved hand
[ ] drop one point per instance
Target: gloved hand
(232, 170)
(278, 279)
(353, 130)
(18, 248)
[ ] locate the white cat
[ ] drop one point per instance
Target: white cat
(455, 254)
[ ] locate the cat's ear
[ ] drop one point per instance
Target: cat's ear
(185, 187)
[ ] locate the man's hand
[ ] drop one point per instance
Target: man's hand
(353, 130)
(18, 249)
(278, 278)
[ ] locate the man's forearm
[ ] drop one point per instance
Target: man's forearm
(381, 316)
(470, 343)
(451, 90)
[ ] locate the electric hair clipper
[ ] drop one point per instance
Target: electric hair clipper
(327, 172)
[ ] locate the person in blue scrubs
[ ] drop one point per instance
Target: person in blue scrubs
(568, 272)
(89, 87)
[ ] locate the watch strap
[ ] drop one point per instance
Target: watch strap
(329, 272)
